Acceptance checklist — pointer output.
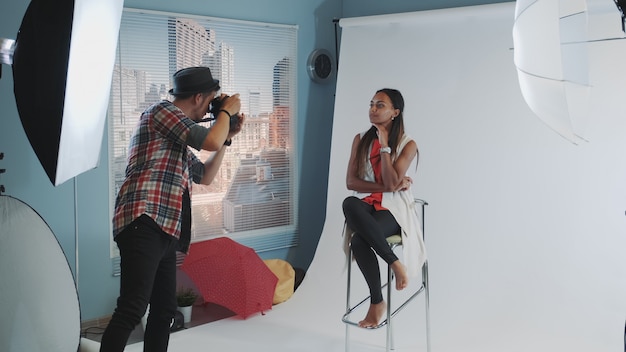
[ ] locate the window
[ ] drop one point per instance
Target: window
(253, 198)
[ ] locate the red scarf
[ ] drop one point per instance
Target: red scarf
(376, 198)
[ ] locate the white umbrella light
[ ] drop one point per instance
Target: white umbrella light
(552, 40)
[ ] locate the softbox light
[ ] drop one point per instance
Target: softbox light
(62, 68)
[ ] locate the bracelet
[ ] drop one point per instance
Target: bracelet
(385, 150)
(227, 113)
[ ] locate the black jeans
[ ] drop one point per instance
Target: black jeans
(371, 228)
(148, 275)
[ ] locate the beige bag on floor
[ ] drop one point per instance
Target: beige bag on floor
(286, 278)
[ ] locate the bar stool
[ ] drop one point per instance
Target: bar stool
(394, 242)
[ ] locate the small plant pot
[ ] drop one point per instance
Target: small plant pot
(186, 311)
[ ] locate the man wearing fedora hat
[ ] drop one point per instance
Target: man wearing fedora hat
(152, 218)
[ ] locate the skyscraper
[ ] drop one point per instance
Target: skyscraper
(190, 44)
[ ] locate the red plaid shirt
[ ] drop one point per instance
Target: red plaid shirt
(158, 171)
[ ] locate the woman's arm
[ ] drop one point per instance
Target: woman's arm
(393, 174)
(353, 181)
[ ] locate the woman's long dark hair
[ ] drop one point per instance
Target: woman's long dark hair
(395, 134)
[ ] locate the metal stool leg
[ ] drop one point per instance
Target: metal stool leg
(427, 300)
(425, 283)
(425, 288)
(347, 342)
(389, 343)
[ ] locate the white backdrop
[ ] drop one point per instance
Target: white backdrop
(524, 231)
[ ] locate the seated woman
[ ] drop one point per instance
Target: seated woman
(377, 169)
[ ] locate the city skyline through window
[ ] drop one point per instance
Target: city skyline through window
(254, 195)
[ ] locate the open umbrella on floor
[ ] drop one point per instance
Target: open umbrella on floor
(231, 275)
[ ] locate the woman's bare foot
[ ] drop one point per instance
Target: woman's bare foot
(399, 270)
(374, 314)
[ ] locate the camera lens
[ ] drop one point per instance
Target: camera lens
(215, 106)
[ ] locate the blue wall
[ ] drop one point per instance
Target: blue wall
(357, 8)
(26, 180)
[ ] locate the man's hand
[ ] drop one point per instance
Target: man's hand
(232, 103)
(236, 128)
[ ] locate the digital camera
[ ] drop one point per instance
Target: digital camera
(216, 106)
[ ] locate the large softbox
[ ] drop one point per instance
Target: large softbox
(62, 67)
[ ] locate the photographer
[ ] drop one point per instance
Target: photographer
(152, 218)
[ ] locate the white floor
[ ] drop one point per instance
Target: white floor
(311, 319)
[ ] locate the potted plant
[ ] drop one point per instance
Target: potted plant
(186, 297)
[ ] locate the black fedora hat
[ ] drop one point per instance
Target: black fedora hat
(193, 80)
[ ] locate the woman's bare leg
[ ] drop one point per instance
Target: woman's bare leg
(377, 310)
(374, 315)
(399, 270)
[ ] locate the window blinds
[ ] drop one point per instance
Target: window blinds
(254, 196)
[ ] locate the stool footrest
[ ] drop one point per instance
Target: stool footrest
(347, 320)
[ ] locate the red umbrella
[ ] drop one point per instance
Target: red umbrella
(231, 275)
